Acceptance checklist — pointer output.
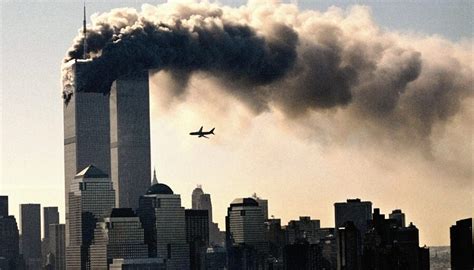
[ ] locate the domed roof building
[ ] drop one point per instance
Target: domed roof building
(159, 188)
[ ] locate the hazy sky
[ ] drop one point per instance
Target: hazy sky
(300, 172)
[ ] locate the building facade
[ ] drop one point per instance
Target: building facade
(91, 196)
(10, 241)
(130, 138)
(197, 236)
(3, 206)
(119, 236)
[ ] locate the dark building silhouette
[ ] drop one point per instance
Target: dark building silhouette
(3, 206)
(10, 240)
(399, 216)
(30, 224)
(118, 236)
(354, 210)
(303, 229)
(388, 246)
(302, 256)
(328, 246)
(348, 253)
(197, 236)
(202, 201)
(130, 138)
(276, 237)
(461, 245)
(50, 216)
(91, 197)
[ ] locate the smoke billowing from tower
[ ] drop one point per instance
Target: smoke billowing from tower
(277, 57)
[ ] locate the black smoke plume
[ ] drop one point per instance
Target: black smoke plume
(275, 56)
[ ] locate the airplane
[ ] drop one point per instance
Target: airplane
(201, 133)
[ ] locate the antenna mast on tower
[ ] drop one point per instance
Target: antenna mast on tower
(84, 32)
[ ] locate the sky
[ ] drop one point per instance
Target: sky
(300, 172)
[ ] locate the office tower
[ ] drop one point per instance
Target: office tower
(163, 220)
(302, 256)
(399, 216)
(130, 138)
(10, 241)
(304, 228)
(328, 246)
(50, 216)
(57, 247)
(245, 232)
(197, 236)
(461, 244)
(86, 126)
(3, 206)
(30, 224)
(348, 242)
(263, 204)
(119, 236)
(424, 258)
(91, 196)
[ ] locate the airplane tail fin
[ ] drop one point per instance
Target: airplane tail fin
(212, 131)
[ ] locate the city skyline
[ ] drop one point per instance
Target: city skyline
(221, 167)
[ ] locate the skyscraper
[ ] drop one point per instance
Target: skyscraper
(50, 216)
(57, 246)
(9, 235)
(130, 138)
(86, 127)
(119, 236)
(91, 196)
(3, 206)
(461, 244)
(163, 220)
(245, 232)
(30, 224)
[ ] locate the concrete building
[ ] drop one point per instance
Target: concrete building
(3, 206)
(57, 247)
(91, 196)
(202, 201)
(130, 138)
(461, 244)
(163, 220)
(30, 230)
(119, 236)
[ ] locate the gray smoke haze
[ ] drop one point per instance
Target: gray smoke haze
(275, 57)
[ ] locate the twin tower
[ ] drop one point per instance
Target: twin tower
(111, 132)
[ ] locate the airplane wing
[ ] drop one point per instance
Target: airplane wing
(200, 130)
(205, 136)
